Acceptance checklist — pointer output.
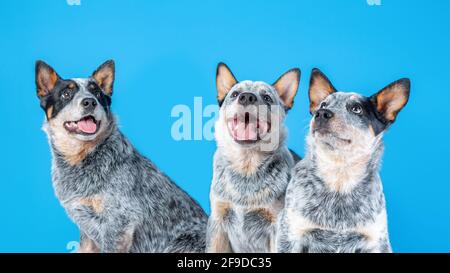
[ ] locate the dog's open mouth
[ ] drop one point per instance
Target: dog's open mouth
(247, 129)
(85, 126)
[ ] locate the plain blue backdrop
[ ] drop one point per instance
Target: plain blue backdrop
(166, 54)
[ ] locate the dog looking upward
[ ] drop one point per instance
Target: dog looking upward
(119, 199)
(335, 200)
(252, 164)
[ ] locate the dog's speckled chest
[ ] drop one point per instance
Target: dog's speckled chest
(247, 206)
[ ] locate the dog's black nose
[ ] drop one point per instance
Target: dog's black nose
(89, 104)
(247, 98)
(323, 115)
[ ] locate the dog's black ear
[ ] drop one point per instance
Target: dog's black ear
(104, 75)
(225, 80)
(287, 86)
(46, 78)
(391, 99)
(319, 88)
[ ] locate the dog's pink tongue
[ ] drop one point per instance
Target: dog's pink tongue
(263, 128)
(87, 126)
(241, 132)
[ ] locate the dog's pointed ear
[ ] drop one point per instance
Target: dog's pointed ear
(320, 87)
(225, 80)
(391, 99)
(46, 78)
(287, 86)
(104, 75)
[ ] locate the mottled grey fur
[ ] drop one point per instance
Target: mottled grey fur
(249, 183)
(137, 198)
(331, 221)
(119, 199)
(245, 207)
(335, 200)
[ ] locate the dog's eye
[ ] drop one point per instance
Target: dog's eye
(267, 98)
(322, 105)
(66, 94)
(98, 95)
(234, 94)
(357, 109)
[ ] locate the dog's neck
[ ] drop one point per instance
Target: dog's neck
(74, 151)
(344, 169)
(247, 161)
(244, 161)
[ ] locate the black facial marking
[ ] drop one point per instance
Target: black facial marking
(102, 98)
(369, 116)
(61, 95)
(64, 92)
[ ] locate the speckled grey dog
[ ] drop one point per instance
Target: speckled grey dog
(120, 201)
(335, 201)
(251, 164)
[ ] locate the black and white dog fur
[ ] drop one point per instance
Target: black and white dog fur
(335, 201)
(252, 164)
(119, 199)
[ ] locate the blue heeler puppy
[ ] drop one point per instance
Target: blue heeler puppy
(335, 200)
(252, 164)
(119, 199)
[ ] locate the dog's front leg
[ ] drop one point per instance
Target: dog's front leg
(117, 239)
(283, 245)
(109, 234)
(273, 246)
(217, 240)
(87, 245)
(288, 241)
(109, 229)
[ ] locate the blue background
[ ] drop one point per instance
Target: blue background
(166, 54)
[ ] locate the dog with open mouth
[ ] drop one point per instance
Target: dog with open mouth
(252, 164)
(119, 199)
(335, 200)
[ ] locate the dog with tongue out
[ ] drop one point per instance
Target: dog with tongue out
(252, 163)
(119, 199)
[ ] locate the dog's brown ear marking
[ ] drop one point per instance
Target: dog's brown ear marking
(104, 75)
(319, 88)
(287, 86)
(225, 80)
(391, 99)
(50, 112)
(46, 78)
